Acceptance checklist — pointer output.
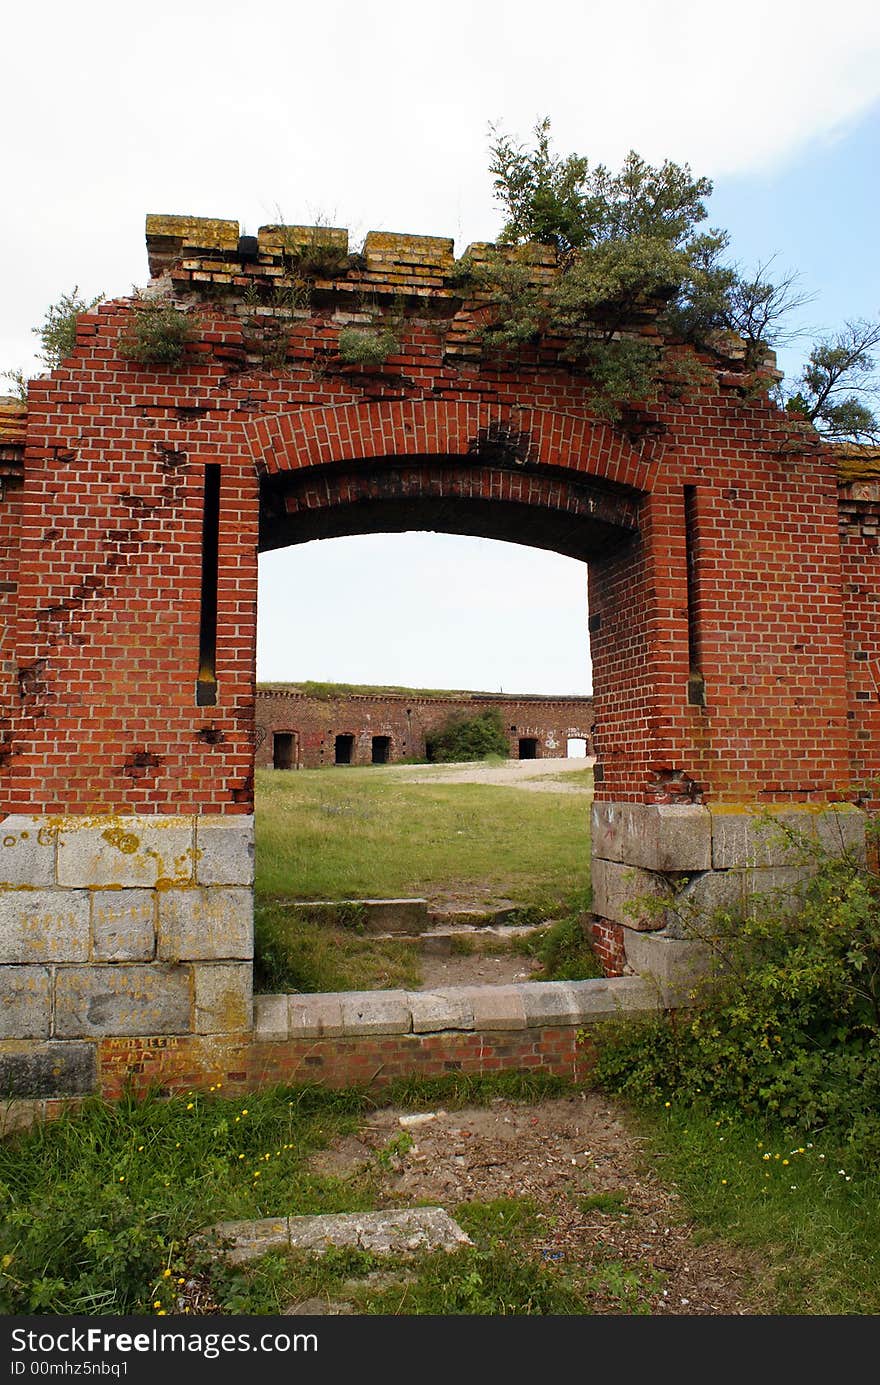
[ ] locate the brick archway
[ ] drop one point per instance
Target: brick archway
(537, 476)
(732, 620)
(447, 428)
(539, 508)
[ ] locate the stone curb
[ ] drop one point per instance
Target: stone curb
(532, 1004)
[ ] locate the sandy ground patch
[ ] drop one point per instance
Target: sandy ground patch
(562, 1153)
(519, 774)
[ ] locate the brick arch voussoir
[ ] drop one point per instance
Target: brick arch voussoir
(407, 428)
(412, 482)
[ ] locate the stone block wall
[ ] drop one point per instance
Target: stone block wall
(660, 871)
(119, 926)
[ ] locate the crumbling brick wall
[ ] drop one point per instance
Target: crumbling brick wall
(732, 633)
(860, 553)
(110, 571)
(13, 427)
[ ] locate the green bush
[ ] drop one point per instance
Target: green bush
(469, 738)
(368, 348)
(57, 333)
(158, 335)
(790, 1030)
(565, 951)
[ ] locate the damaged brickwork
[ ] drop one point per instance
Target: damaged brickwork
(733, 579)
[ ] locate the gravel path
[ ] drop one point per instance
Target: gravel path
(540, 775)
(602, 1199)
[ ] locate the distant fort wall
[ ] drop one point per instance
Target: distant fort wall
(298, 730)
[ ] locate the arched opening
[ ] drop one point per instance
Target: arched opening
(541, 510)
(343, 749)
(380, 750)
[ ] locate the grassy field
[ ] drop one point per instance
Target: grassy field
(360, 833)
(102, 1210)
(366, 833)
(794, 1200)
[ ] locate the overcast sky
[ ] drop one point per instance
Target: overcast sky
(375, 116)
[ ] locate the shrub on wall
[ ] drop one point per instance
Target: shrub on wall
(157, 335)
(469, 738)
(368, 348)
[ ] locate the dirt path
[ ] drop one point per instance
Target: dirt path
(542, 776)
(476, 969)
(600, 1202)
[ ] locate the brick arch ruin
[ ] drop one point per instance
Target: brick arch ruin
(732, 576)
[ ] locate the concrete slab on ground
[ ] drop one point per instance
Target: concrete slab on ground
(384, 1233)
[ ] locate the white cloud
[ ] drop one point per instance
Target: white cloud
(436, 610)
(379, 112)
(376, 114)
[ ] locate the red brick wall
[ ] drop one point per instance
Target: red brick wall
(860, 549)
(178, 1064)
(110, 583)
(10, 538)
(770, 619)
(406, 721)
(110, 570)
(608, 944)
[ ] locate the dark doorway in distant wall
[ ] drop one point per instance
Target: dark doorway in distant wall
(528, 748)
(284, 750)
(344, 750)
(381, 750)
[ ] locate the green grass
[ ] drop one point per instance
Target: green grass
(101, 1210)
(325, 692)
(294, 953)
(100, 1204)
(502, 1274)
(361, 833)
(794, 1201)
(304, 955)
(97, 1205)
(564, 948)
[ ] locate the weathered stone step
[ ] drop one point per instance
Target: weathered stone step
(441, 942)
(364, 915)
(477, 917)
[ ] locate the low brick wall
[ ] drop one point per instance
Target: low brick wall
(340, 1039)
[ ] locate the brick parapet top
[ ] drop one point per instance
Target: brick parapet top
(207, 257)
(857, 462)
(13, 433)
(13, 422)
(536, 699)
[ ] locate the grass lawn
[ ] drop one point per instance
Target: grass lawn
(366, 833)
(101, 1210)
(371, 833)
(793, 1199)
